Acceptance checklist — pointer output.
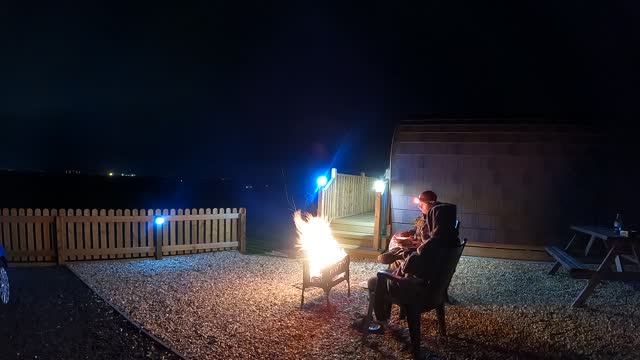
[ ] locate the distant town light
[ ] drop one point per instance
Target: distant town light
(322, 181)
(110, 174)
(379, 186)
(159, 220)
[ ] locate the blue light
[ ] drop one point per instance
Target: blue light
(322, 181)
(159, 220)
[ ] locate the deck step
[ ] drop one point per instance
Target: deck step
(354, 242)
(363, 252)
(352, 228)
(567, 261)
(341, 234)
(352, 221)
(353, 238)
(351, 242)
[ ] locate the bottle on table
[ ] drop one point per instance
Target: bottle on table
(617, 224)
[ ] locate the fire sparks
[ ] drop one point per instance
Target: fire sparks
(315, 239)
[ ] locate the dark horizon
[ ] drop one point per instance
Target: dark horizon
(218, 89)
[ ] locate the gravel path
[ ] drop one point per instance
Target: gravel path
(53, 315)
(228, 305)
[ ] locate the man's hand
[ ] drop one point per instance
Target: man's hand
(405, 242)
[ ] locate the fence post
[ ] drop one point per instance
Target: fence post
(377, 221)
(321, 208)
(242, 231)
(157, 238)
(59, 239)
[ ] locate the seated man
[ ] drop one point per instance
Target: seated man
(404, 243)
(440, 220)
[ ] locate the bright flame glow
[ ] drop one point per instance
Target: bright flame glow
(315, 239)
(379, 186)
(416, 200)
(322, 180)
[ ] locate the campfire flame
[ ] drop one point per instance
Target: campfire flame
(315, 239)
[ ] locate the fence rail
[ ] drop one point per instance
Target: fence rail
(62, 235)
(347, 195)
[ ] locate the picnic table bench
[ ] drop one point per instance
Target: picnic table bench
(618, 248)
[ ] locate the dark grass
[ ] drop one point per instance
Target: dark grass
(53, 315)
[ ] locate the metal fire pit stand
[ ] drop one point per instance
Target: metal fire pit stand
(330, 277)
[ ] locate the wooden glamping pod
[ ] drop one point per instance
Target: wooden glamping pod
(518, 187)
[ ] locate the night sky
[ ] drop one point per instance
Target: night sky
(244, 89)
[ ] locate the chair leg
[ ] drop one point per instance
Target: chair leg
(450, 299)
(413, 318)
(442, 330)
(403, 313)
(326, 292)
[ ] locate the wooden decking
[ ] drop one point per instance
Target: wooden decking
(506, 251)
(365, 219)
(355, 234)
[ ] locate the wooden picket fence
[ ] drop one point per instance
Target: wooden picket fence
(60, 235)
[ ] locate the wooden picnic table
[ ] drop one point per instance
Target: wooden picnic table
(618, 248)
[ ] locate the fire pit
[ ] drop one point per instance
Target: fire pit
(329, 277)
(325, 263)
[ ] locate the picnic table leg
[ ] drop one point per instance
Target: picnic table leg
(595, 278)
(555, 268)
(589, 244)
(557, 265)
(618, 264)
(634, 253)
(619, 267)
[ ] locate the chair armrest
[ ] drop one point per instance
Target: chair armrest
(401, 281)
(388, 276)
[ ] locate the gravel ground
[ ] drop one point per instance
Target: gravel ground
(228, 305)
(53, 315)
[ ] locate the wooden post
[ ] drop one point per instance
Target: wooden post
(321, 203)
(157, 237)
(387, 211)
(59, 240)
(377, 221)
(242, 230)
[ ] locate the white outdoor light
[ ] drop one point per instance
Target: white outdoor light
(322, 181)
(159, 220)
(379, 186)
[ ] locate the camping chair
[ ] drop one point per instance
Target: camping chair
(415, 296)
(448, 299)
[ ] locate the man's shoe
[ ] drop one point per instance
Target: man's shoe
(375, 327)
